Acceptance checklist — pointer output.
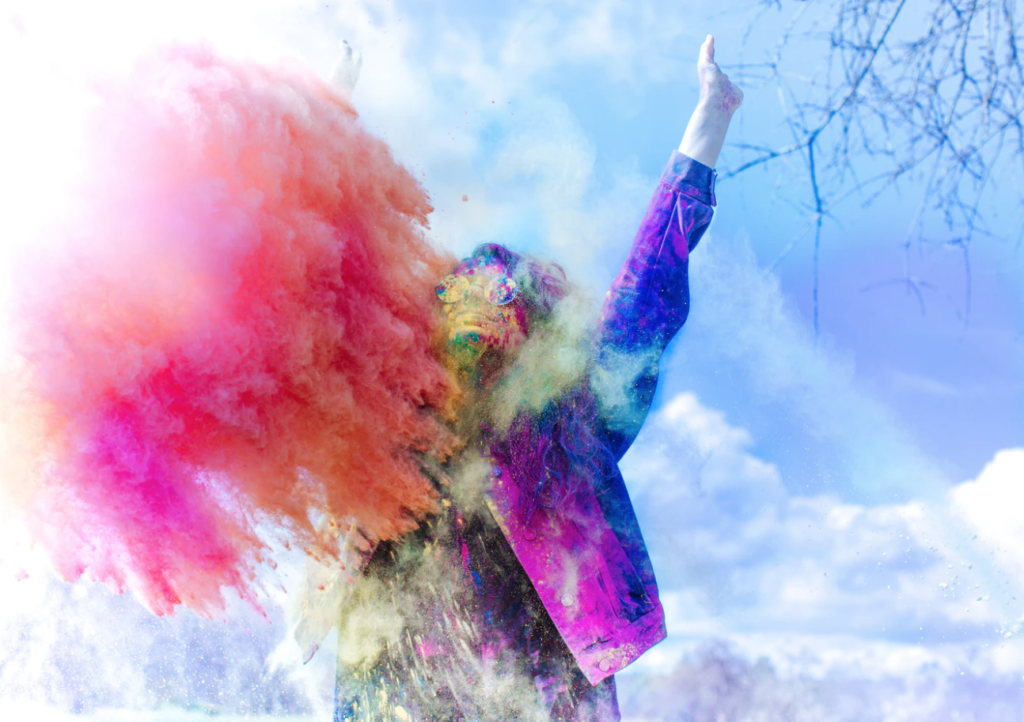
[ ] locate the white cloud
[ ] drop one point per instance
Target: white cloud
(921, 384)
(742, 323)
(629, 40)
(707, 428)
(990, 507)
(992, 504)
(838, 586)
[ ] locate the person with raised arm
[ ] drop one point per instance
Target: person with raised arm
(533, 586)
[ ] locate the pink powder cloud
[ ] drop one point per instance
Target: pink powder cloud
(240, 328)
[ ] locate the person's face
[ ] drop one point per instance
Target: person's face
(479, 304)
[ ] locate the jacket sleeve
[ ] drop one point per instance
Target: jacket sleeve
(650, 298)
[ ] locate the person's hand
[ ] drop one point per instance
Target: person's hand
(716, 89)
(346, 70)
(719, 99)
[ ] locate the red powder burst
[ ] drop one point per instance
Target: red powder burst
(239, 330)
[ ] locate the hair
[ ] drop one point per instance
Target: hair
(543, 417)
(542, 284)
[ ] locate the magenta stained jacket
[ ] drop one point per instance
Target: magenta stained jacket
(586, 557)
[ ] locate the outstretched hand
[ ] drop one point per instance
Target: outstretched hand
(719, 99)
(346, 70)
(715, 86)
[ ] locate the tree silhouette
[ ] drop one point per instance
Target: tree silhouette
(926, 92)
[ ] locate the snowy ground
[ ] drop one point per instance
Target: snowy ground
(78, 653)
(12, 711)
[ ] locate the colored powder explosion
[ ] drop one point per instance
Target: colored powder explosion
(238, 330)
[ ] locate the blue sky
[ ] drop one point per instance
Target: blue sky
(841, 503)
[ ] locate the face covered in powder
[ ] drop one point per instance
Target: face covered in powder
(480, 306)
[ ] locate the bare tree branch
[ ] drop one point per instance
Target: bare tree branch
(936, 84)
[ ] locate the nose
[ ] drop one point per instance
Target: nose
(474, 292)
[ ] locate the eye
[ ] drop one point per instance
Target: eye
(452, 289)
(502, 290)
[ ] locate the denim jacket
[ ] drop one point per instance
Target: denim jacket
(586, 557)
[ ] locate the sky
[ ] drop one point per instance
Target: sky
(840, 504)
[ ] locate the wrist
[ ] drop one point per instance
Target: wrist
(714, 108)
(703, 152)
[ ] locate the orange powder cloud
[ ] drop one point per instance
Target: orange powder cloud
(239, 329)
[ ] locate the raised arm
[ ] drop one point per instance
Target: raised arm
(345, 73)
(719, 99)
(649, 299)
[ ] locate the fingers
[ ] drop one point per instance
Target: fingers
(346, 70)
(707, 52)
(350, 56)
